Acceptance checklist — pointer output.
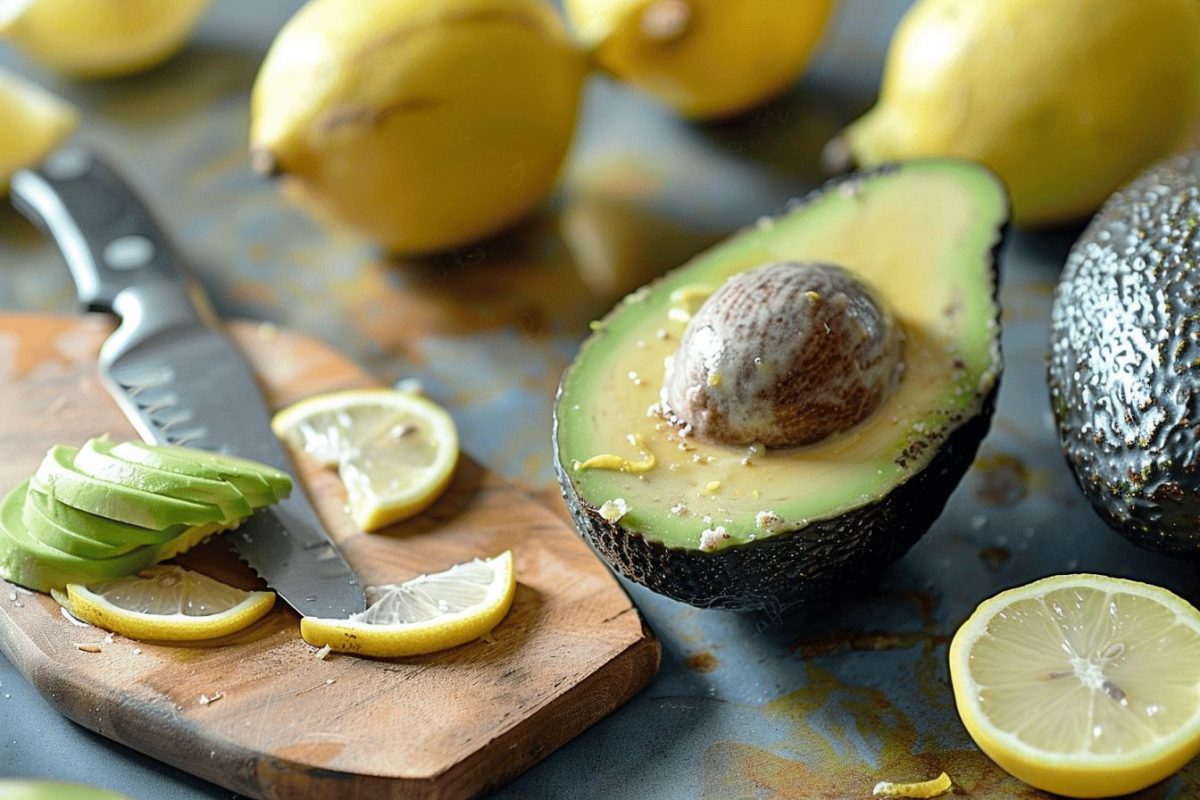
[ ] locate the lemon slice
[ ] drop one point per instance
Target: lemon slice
(32, 123)
(1083, 685)
(395, 451)
(167, 603)
(424, 615)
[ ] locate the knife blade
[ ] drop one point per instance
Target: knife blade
(178, 378)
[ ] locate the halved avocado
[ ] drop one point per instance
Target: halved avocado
(96, 458)
(750, 527)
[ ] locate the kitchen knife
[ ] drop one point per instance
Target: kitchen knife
(176, 376)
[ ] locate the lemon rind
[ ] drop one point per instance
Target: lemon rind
(84, 604)
(425, 636)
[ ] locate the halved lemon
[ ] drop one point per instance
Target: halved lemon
(395, 451)
(32, 123)
(423, 615)
(1082, 685)
(166, 603)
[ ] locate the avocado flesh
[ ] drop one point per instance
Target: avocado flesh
(922, 235)
(230, 465)
(97, 528)
(26, 561)
(1124, 369)
(67, 524)
(96, 459)
(42, 525)
(31, 789)
(260, 484)
(59, 478)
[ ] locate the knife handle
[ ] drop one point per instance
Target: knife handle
(103, 229)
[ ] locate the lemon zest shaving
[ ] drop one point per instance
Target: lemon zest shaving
(686, 301)
(615, 462)
(921, 789)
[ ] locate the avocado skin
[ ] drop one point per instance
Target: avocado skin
(796, 568)
(1129, 296)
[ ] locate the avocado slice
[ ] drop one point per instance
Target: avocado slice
(31, 789)
(96, 528)
(747, 526)
(59, 478)
(31, 563)
(1124, 366)
(26, 561)
(260, 484)
(96, 458)
(42, 525)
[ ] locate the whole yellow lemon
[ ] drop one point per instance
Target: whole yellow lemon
(1064, 99)
(99, 38)
(424, 125)
(32, 123)
(705, 58)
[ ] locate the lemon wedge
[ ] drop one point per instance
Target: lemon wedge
(98, 38)
(423, 615)
(395, 451)
(166, 603)
(32, 123)
(1082, 685)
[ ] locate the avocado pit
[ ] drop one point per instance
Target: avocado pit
(786, 354)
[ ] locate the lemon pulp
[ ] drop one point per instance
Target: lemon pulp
(395, 451)
(166, 603)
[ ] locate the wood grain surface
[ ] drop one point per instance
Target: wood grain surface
(287, 724)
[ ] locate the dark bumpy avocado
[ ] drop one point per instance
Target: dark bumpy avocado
(1124, 368)
(703, 517)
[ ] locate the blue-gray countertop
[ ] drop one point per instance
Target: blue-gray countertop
(744, 706)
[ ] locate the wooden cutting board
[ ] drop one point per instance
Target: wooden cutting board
(286, 724)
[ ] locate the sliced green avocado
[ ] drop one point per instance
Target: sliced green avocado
(26, 789)
(742, 526)
(1124, 371)
(61, 479)
(257, 482)
(29, 562)
(96, 458)
(96, 528)
(43, 526)
(26, 561)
